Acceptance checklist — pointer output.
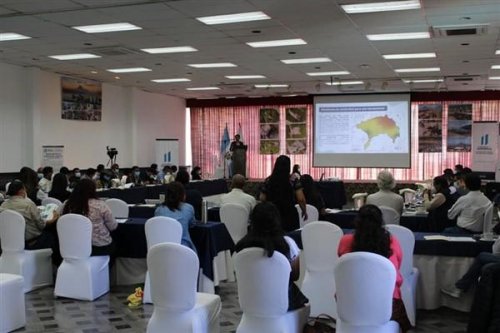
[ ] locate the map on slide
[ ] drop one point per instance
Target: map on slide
(379, 126)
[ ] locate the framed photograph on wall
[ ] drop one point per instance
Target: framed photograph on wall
(81, 99)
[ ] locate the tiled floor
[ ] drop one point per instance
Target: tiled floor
(111, 314)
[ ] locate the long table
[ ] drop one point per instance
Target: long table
(139, 194)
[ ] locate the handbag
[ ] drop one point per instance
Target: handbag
(320, 324)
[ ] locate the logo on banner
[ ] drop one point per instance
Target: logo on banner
(484, 140)
(483, 148)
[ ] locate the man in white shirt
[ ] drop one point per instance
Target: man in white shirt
(470, 208)
(385, 196)
(45, 184)
(237, 196)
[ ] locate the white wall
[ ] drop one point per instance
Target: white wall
(30, 117)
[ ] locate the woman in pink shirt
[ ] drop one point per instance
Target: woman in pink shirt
(371, 236)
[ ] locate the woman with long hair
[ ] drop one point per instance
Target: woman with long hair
(438, 206)
(83, 200)
(175, 207)
(265, 232)
(59, 187)
(311, 193)
(284, 193)
(370, 235)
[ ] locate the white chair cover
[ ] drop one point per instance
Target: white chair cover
(410, 274)
(365, 285)
(160, 229)
(235, 218)
(178, 307)
(263, 293)
(119, 208)
(35, 266)
(312, 214)
(359, 199)
(50, 200)
(12, 309)
(390, 215)
(320, 241)
(488, 220)
(408, 194)
(7, 187)
(80, 276)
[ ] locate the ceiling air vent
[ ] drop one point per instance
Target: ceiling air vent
(460, 30)
(110, 51)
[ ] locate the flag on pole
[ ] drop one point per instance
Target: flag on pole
(224, 142)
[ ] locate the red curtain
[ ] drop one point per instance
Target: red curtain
(208, 123)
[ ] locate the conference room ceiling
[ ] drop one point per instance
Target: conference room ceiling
(465, 61)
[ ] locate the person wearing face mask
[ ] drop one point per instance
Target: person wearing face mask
(115, 171)
(437, 202)
(135, 176)
(75, 177)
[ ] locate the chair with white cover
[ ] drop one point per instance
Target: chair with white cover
(365, 285)
(80, 276)
(410, 274)
(359, 199)
(263, 293)
(408, 194)
(312, 214)
(390, 215)
(119, 208)
(50, 200)
(235, 218)
(173, 270)
(320, 241)
(12, 309)
(160, 229)
(35, 266)
(7, 187)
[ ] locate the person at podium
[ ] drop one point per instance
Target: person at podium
(239, 156)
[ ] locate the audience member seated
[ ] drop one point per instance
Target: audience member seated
(284, 194)
(371, 236)
(135, 176)
(83, 200)
(193, 196)
(152, 173)
(90, 174)
(45, 184)
(115, 171)
(237, 196)
(60, 187)
(459, 168)
(38, 234)
(385, 196)
(196, 173)
(265, 232)
(104, 179)
(469, 209)
(74, 178)
(450, 178)
(175, 207)
(30, 180)
(311, 193)
(460, 184)
(438, 207)
(472, 275)
(64, 170)
(166, 176)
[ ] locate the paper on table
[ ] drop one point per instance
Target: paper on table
(449, 239)
(131, 205)
(121, 220)
(332, 210)
(146, 205)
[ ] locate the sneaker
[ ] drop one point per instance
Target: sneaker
(452, 291)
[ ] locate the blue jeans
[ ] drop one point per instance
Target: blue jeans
(474, 272)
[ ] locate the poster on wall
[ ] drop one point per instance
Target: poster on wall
(53, 156)
(269, 131)
(485, 144)
(430, 128)
(459, 127)
(296, 130)
(167, 152)
(81, 99)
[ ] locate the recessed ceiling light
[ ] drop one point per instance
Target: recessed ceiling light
(117, 77)
(213, 65)
(422, 80)
(400, 36)
(129, 70)
(343, 83)
(289, 95)
(417, 70)
(381, 6)
(111, 27)
(495, 67)
(271, 86)
(497, 52)
(409, 55)
(74, 56)
(175, 49)
(243, 77)
(328, 73)
(203, 88)
(233, 18)
(279, 42)
(305, 61)
(7, 36)
(181, 79)
(94, 72)
(494, 78)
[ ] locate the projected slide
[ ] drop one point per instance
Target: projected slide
(364, 128)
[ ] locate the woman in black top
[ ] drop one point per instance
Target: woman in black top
(59, 187)
(311, 192)
(438, 206)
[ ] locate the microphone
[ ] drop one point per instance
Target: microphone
(322, 176)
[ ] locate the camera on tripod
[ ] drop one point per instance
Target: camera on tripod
(111, 152)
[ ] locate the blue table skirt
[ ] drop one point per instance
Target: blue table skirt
(429, 247)
(148, 212)
(345, 220)
(209, 239)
